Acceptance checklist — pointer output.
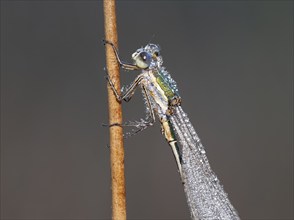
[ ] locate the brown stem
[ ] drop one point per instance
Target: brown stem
(115, 116)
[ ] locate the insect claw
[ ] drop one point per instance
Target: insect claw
(111, 125)
(107, 42)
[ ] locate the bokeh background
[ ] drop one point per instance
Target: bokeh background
(233, 62)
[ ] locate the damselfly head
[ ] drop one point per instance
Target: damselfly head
(148, 56)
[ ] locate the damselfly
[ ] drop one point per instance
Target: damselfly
(205, 195)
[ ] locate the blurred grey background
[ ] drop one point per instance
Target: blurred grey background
(233, 62)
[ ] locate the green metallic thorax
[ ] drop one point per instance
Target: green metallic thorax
(164, 85)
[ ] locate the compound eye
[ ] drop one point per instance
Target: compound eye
(145, 57)
(144, 60)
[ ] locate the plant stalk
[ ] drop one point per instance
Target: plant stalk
(115, 116)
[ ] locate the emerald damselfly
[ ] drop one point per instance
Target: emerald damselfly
(205, 195)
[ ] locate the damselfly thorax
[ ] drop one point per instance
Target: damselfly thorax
(162, 96)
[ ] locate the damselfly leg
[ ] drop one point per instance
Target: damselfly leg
(123, 64)
(128, 94)
(143, 124)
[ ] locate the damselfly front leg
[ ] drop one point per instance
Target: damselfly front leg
(123, 64)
